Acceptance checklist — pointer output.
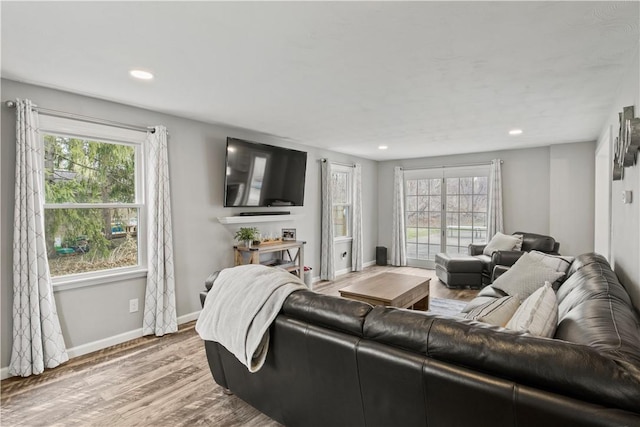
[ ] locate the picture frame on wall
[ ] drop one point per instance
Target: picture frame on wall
(288, 234)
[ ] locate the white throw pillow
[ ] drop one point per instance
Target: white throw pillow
(496, 312)
(538, 314)
(519, 244)
(525, 277)
(502, 242)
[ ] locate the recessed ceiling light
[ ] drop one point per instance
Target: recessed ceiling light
(141, 74)
(382, 147)
(515, 131)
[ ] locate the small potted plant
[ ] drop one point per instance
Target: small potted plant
(247, 235)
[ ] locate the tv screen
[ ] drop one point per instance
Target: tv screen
(263, 175)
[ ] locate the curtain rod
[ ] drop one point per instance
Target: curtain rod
(63, 114)
(461, 165)
(351, 165)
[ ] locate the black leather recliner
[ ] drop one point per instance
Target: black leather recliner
(530, 242)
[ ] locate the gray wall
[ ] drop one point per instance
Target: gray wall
(571, 196)
(534, 189)
(201, 243)
(625, 218)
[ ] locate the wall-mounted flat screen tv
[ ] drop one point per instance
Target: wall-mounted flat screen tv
(263, 175)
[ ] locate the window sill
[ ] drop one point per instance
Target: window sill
(342, 239)
(99, 278)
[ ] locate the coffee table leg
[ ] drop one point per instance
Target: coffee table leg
(423, 304)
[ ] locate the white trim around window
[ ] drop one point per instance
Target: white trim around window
(64, 127)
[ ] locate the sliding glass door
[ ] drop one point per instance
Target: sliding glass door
(445, 211)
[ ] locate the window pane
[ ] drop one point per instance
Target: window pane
(423, 203)
(83, 240)
(465, 204)
(434, 236)
(412, 235)
(435, 187)
(340, 221)
(412, 219)
(423, 219)
(434, 206)
(452, 185)
(82, 171)
(480, 203)
(412, 187)
(412, 203)
(480, 185)
(452, 203)
(339, 181)
(434, 219)
(423, 187)
(423, 235)
(466, 185)
(412, 251)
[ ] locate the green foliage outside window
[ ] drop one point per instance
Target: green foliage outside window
(85, 172)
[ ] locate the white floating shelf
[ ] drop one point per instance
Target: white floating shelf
(257, 218)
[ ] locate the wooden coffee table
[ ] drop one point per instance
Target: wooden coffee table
(391, 289)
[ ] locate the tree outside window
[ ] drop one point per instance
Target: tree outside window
(91, 203)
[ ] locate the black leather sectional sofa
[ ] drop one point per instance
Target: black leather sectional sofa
(335, 362)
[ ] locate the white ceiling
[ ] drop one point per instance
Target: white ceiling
(424, 78)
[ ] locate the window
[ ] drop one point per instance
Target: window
(341, 186)
(445, 211)
(94, 204)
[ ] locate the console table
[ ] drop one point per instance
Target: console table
(284, 260)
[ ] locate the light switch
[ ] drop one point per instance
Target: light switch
(626, 196)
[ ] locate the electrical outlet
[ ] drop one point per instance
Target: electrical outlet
(133, 305)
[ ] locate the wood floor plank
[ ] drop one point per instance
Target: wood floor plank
(151, 381)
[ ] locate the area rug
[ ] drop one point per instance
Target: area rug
(447, 307)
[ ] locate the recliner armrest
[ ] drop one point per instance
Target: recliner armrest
(476, 248)
(498, 271)
(506, 258)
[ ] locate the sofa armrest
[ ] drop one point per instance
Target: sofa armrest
(476, 248)
(506, 258)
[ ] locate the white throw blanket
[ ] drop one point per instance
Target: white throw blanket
(240, 307)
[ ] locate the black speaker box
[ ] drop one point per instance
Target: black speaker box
(381, 255)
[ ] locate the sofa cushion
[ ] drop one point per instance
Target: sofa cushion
(496, 312)
(501, 242)
(538, 314)
(525, 277)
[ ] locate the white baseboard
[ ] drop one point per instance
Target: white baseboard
(90, 347)
(348, 270)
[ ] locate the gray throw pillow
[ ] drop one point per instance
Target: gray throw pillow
(557, 262)
(525, 277)
(502, 242)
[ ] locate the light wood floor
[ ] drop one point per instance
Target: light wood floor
(150, 381)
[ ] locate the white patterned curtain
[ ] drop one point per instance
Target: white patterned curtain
(37, 336)
(357, 244)
(160, 299)
(494, 219)
(327, 269)
(398, 243)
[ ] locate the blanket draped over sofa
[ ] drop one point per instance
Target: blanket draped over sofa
(333, 361)
(241, 306)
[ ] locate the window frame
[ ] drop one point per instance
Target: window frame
(441, 173)
(348, 171)
(65, 127)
